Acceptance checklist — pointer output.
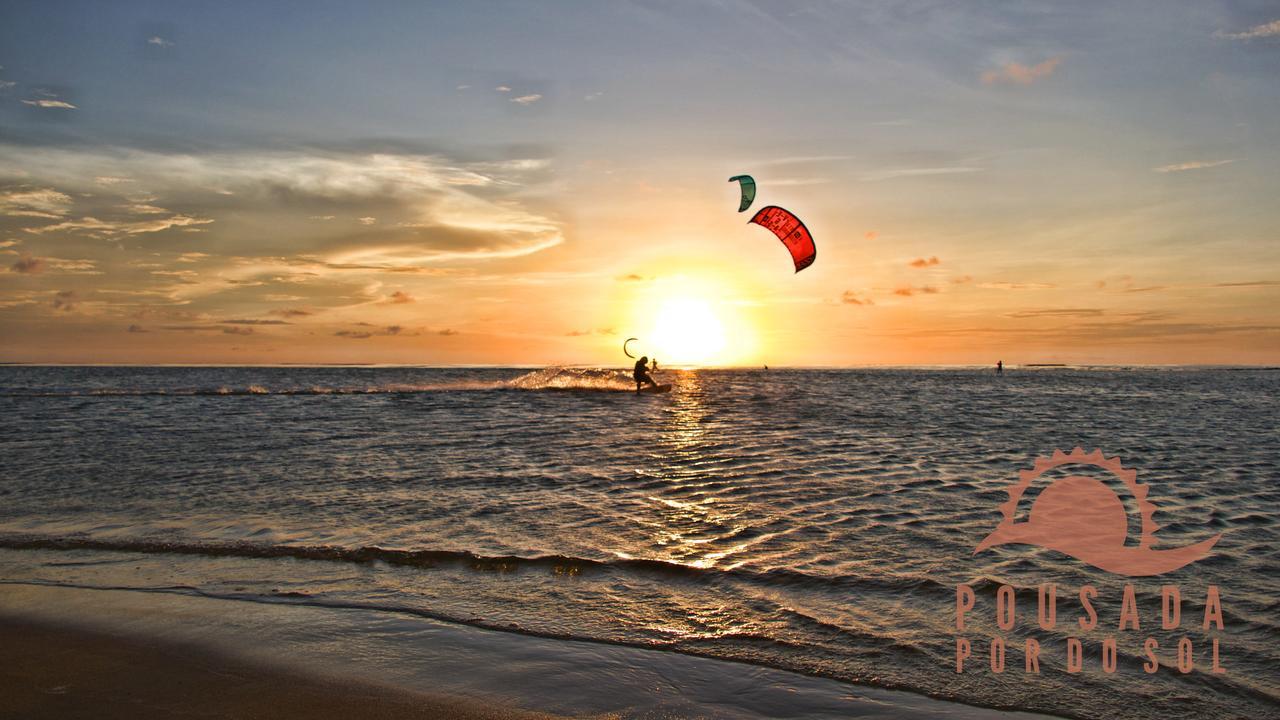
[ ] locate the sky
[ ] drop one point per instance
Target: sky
(530, 183)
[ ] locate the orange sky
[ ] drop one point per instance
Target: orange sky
(996, 193)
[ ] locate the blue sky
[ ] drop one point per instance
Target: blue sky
(1096, 180)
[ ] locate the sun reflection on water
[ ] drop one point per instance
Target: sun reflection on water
(693, 509)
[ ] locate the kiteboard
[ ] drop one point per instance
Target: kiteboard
(657, 388)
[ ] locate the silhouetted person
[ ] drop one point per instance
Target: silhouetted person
(999, 367)
(654, 367)
(641, 373)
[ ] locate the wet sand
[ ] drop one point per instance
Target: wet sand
(54, 672)
(81, 652)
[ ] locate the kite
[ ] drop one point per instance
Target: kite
(791, 231)
(748, 185)
(624, 347)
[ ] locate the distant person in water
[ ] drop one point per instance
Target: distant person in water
(641, 373)
(999, 367)
(654, 367)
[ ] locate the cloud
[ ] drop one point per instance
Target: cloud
(399, 297)
(593, 96)
(1016, 286)
(526, 99)
(633, 277)
(6, 84)
(50, 104)
(137, 329)
(1058, 312)
(66, 300)
(463, 87)
(431, 209)
(145, 209)
(34, 202)
(253, 322)
(908, 291)
(448, 331)
(925, 262)
(428, 245)
(388, 331)
(291, 312)
(1265, 30)
(1018, 74)
(1248, 284)
(1128, 328)
(798, 181)
(919, 172)
(322, 218)
(106, 228)
(235, 330)
(1193, 165)
(583, 333)
(72, 267)
(503, 88)
(851, 298)
(435, 215)
(28, 265)
(368, 220)
(159, 41)
(801, 160)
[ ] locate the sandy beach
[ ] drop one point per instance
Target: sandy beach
(80, 652)
(58, 672)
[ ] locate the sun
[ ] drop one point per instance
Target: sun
(687, 331)
(699, 317)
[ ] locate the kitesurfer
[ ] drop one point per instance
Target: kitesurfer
(999, 367)
(641, 373)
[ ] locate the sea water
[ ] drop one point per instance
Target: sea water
(816, 521)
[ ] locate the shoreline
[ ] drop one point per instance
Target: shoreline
(48, 671)
(410, 666)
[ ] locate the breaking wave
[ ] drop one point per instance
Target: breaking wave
(551, 378)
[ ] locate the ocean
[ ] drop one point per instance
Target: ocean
(813, 521)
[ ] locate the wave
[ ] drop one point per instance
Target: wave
(557, 564)
(301, 599)
(911, 684)
(562, 378)
(739, 646)
(552, 378)
(433, 558)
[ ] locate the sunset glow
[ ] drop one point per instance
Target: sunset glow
(685, 330)
(446, 202)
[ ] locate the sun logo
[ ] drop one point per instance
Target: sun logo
(1082, 517)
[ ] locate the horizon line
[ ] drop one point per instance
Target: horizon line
(476, 366)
